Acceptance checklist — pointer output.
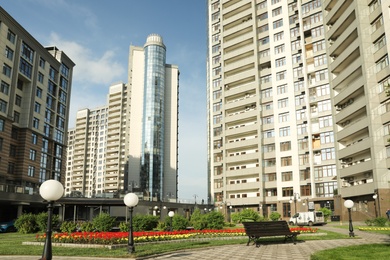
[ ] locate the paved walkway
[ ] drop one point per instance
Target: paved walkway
(275, 251)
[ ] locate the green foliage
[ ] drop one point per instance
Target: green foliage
(275, 216)
(161, 226)
(103, 222)
(145, 222)
(198, 220)
(245, 215)
(124, 227)
(380, 221)
(41, 221)
(86, 226)
(327, 213)
(68, 226)
(215, 220)
(178, 222)
(26, 223)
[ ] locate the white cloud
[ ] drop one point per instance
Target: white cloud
(90, 68)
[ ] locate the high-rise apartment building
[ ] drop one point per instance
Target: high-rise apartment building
(132, 143)
(280, 134)
(34, 108)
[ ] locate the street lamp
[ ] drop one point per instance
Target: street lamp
(349, 204)
(131, 200)
(171, 214)
(375, 196)
(50, 190)
(296, 197)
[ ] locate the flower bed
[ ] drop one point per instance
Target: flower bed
(111, 238)
(374, 228)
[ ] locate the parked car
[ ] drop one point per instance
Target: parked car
(7, 226)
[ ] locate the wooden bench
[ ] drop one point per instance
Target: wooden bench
(256, 230)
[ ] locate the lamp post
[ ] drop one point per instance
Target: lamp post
(50, 190)
(130, 200)
(296, 197)
(375, 196)
(171, 214)
(349, 204)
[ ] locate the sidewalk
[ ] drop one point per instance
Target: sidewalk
(281, 251)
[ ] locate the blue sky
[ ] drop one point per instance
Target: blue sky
(96, 35)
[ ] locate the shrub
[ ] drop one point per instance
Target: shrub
(68, 226)
(327, 213)
(86, 226)
(41, 220)
(198, 221)
(245, 215)
(26, 223)
(124, 227)
(215, 220)
(380, 221)
(178, 222)
(103, 222)
(145, 222)
(274, 216)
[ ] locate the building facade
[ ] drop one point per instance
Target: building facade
(130, 145)
(34, 109)
(276, 138)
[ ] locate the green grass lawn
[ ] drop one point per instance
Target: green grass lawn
(11, 244)
(361, 252)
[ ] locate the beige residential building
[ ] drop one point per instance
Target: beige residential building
(34, 109)
(274, 131)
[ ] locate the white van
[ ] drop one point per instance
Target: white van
(309, 218)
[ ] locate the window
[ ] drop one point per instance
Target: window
(269, 133)
(39, 92)
(278, 23)
(279, 49)
(327, 154)
(11, 36)
(278, 36)
(277, 11)
(286, 161)
(285, 117)
(18, 100)
(297, 72)
(27, 52)
(264, 53)
(4, 88)
(7, 70)
(301, 114)
(298, 86)
(296, 45)
(267, 148)
(216, 71)
(11, 168)
(310, 6)
(2, 125)
(217, 106)
(217, 119)
(302, 129)
(263, 28)
(263, 16)
(31, 171)
(217, 131)
(40, 77)
(216, 48)
(294, 32)
(382, 63)
(319, 46)
(16, 117)
(36, 123)
(269, 176)
(37, 107)
(42, 63)
(281, 76)
(266, 93)
(282, 88)
(34, 138)
(268, 120)
(324, 105)
(275, 1)
(284, 131)
(320, 60)
(374, 5)
(300, 100)
(321, 75)
(377, 24)
(303, 144)
(268, 106)
(64, 70)
(25, 67)
(327, 138)
(1, 144)
(296, 58)
(262, 5)
(12, 150)
(285, 146)
(280, 62)
(287, 176)
(9, 53)
(33, 154)
(326, 189)
(265, 79)
(264, 41)
(52, 73)
(3, 106)
(283, 103)
(318, 31)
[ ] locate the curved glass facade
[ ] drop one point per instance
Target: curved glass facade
(152, 155)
